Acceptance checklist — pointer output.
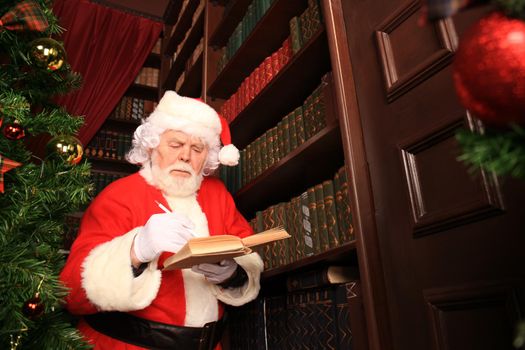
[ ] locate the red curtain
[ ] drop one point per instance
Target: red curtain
(108, 48)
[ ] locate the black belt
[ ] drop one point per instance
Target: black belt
(155, 335)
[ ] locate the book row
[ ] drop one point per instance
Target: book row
(254, 13)
(318, 220)
(254, 83)
(108, 144)
(304, 26)
(302, 29)
(320, 318)
(148, 76)
(295, 128)
(132, 108)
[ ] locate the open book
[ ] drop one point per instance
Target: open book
(213, 249)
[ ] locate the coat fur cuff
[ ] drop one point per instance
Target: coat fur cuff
(253, 265)
(108, 279)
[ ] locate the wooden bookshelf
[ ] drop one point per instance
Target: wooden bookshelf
(261, 43)
(294, 173)
(229, 21)
(192, 84)
(265, 110)
(181, 27)
(345, 254)
(194, 36)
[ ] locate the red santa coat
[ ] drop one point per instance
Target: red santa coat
(98, 270)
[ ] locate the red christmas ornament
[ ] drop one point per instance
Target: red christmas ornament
(33, 308)
(14, 131)
(489, 70)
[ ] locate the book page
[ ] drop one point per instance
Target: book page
(265, 237)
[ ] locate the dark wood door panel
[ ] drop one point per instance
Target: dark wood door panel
(439, 226)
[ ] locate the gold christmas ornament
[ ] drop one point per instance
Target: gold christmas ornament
(47, 53)
(69, 148)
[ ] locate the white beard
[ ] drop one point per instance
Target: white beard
(173, 186)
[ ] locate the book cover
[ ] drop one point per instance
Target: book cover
(331, 214)
(213, 249)
(321, 218)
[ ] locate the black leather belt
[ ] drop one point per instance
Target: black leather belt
(155, 335)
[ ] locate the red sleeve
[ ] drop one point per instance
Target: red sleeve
(106, 218)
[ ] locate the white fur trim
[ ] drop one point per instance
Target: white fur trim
(201, 304)
(188, 115)
(108, 279)
(229, 155)
(253, 265)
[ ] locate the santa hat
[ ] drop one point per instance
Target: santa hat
(196, 118)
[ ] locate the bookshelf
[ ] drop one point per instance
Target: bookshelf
(182, 52)
(305, 165)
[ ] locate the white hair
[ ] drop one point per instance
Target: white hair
(147, 137)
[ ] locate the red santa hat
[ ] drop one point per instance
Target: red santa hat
(196, 118)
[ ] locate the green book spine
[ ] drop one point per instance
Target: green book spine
(293, 131)
(280, 140)
(286, 135)
(299, 125)
(291, 243)
(263, 145)
(249, 163)
(296, 223)
(270, 148)
(312, 205)
(243, 163)
(306, 226)
(295, 34)
(308, 117)
(331, 214)
(276, 144)
(238, 177)
(258, 156)
(321, 218)
(319, 110)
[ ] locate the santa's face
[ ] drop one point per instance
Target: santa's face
(177, 163)
(179, 147)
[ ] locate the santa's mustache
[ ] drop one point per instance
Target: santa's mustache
(180, 167)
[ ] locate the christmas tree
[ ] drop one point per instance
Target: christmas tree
(36, 192)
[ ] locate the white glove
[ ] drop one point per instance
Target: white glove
(216, 273)
(167, 232)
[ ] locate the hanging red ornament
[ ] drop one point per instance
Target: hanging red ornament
(489, 70)
(33, 308)
(14, 131)
(6, 164)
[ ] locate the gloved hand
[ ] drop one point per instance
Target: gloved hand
(217, 273)
(167, 232)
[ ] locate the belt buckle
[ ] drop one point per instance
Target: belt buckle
(207, 336)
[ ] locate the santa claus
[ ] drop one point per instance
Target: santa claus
(114, 271)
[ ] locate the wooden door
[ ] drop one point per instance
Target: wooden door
(450, 244)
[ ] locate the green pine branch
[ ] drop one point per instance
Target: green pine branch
(38, 195)
(498, 151)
